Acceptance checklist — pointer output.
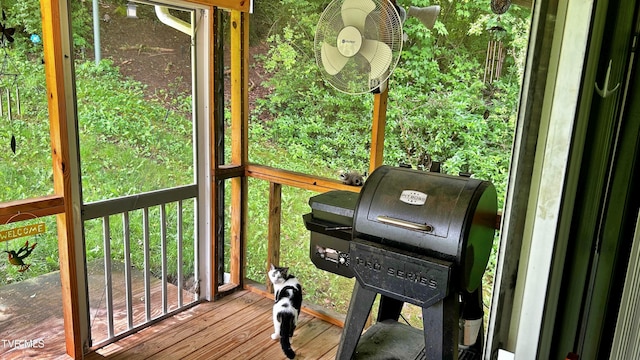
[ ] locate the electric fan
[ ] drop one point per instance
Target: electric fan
(358, 43)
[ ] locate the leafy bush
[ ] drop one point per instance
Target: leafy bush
(129, 144)
(24, 15)
(439, 107)
(308, 117)
(28, 172)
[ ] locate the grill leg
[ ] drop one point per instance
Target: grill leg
(440, 323)
(390, 309)
(359, 309)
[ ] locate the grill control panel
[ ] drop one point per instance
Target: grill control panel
(331, 254)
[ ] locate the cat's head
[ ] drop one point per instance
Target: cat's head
(277, 274)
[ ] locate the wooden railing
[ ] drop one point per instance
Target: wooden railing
(279, 177)
(19, 210)
(291, 178)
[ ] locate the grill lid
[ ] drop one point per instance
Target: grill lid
(447, 217)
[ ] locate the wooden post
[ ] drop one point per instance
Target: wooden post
(57, 58)
(275, 215)
(377, 129)
(239, 139)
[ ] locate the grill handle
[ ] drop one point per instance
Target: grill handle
(404, 223)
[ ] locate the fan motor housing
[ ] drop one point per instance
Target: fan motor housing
(349, 41)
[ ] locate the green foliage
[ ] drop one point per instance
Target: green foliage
(128, 143)
(308, 117)
(24, 15)
(439, 107)
(27, 173)
(115, 115)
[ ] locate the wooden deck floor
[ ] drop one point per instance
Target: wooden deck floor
(236, 327)
(31, 321)
(31, 324)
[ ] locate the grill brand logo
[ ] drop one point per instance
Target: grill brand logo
(415, 277)
(413, 197)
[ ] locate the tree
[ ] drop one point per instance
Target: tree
(439, 107)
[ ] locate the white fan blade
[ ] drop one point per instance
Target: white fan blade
(354, 12)
(379, 56)
(332, 60)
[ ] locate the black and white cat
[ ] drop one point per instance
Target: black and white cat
(288, 301)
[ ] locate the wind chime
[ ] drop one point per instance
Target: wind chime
(495, 49)
(9, 86)
(8, 81)
(495, 55)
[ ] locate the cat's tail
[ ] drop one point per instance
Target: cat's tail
(286, 331)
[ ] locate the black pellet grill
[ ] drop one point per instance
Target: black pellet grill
(410, 236)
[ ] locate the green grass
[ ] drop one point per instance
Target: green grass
(320, 287)
(128, 145)
(131, 145)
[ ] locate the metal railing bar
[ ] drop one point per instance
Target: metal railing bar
(97, 209)
(106, 238)
(147, 264)
(150, 309)
(127, 268)
(163, 4)
(196, 253)
(163, 249)
(179, 251)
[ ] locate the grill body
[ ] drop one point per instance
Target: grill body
(444, 217)
(409, 236)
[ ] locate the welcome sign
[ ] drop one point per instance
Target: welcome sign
(28, 230)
